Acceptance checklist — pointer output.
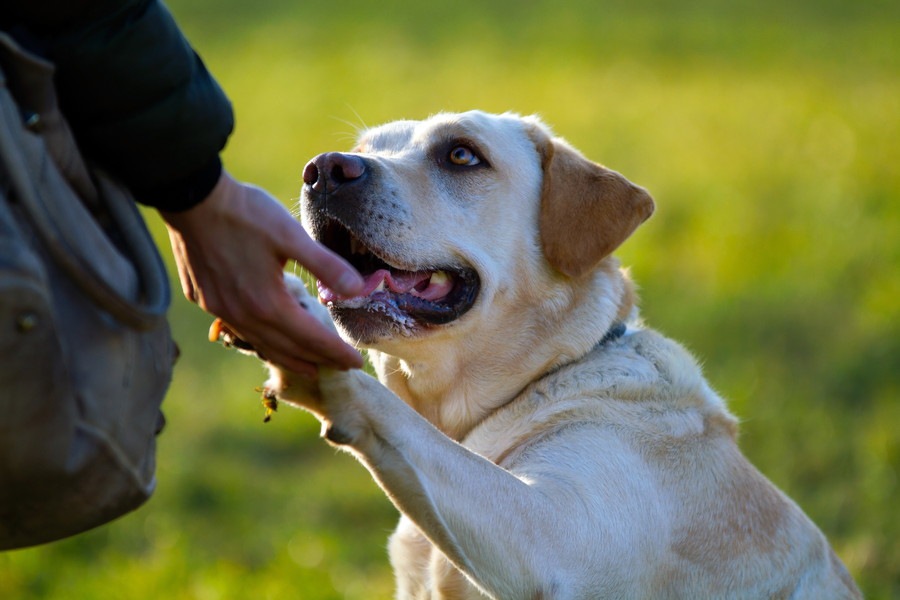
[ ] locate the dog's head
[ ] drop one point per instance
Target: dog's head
(462, 218)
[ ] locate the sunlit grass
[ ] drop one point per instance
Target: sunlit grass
(767, 132)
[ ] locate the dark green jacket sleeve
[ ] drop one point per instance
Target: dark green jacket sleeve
(139, 99)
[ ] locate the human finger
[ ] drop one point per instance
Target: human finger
(331, 269)
(296, 344)
(182, 264)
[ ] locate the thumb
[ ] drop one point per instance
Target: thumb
(331, 269)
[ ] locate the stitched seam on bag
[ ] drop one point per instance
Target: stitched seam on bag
(116, 452)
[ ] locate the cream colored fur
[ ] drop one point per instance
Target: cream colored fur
(529, 460)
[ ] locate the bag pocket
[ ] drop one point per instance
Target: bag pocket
(79, 399)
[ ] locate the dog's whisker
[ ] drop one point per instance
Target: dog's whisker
(353, 135)
(362, 123)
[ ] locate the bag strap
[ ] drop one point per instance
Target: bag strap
(143, 314)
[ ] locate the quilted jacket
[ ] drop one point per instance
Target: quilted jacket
(137, 96)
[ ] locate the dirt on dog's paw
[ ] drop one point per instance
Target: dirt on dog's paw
(290, 388)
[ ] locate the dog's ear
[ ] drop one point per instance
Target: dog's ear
(587, 210)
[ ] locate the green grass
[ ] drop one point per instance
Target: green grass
(767, 132)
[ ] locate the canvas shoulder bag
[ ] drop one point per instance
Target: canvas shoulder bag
(85, 349)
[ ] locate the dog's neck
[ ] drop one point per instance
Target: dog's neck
(455, 386)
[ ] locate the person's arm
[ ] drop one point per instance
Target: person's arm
(138, 98)
(143, 106)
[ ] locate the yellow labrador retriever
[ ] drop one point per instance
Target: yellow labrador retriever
(538, 439)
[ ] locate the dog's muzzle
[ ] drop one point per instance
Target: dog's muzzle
(337, 200)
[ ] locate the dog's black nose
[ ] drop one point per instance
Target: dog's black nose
(327, 172)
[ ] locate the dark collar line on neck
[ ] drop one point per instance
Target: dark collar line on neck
(614, 333)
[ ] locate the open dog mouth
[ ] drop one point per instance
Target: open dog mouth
(428, 296)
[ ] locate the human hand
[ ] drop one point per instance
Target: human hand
(231, 250)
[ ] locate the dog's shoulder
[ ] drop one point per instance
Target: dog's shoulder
(643, 386)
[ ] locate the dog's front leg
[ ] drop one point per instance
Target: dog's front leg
(511, 538)
(498, 530)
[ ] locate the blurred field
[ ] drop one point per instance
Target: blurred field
(768, 134)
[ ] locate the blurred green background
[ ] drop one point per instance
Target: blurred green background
(766, 130)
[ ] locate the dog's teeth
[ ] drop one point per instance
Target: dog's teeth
(438, 278)
(357, 247)
(380, 287)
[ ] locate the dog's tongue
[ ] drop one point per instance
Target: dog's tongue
(430, 285)
(401, 282)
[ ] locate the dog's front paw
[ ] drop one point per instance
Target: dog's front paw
(298, 290)
(292, 388)
(282, 385)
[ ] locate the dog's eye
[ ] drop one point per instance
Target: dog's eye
(464, 156)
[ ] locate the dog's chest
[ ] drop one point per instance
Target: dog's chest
(422, 572)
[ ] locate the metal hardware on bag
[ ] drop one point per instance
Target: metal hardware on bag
(26, 321)
(33, 122)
